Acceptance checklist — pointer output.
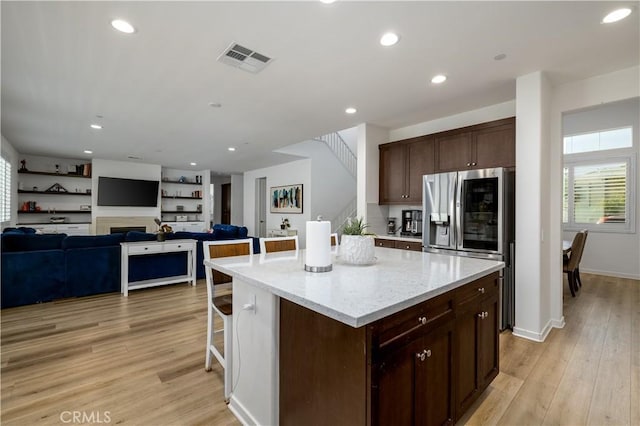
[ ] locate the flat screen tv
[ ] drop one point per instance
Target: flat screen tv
(127, 192)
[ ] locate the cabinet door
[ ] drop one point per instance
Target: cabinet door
(467, 323)
(396, 387)
(392, 174)
(434, 381)
(453, 152)
(488, 342)
(494, 147)
(420, 160)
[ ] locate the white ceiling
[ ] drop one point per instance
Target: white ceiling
(63, 64)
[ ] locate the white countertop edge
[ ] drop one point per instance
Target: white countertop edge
(357, 322)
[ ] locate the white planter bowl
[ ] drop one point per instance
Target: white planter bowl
(357, 249)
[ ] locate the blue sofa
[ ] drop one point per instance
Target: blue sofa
(41, 268)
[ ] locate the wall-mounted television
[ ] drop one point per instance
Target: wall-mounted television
(127, 192)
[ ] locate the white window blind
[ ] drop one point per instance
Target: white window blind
(5, 187)
(600, 193)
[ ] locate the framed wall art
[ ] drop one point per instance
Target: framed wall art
(286, 199)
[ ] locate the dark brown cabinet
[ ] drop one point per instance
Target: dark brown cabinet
(476, 339)
(424, 365)
(415, 384)
(399, 244)
(477, 147)
(402, 165)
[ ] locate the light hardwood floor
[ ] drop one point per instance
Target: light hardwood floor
(141, 359)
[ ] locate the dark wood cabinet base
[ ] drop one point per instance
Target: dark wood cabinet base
(421, 366)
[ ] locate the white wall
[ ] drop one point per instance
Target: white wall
(467, 118)
(11, 155)
(294, 172)
(126, 170)
(531, 291)
(614, 254)
(333, 187)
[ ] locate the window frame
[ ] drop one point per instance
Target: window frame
(6, 172)
(626, 155)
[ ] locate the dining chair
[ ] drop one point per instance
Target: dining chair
(273, 244)
(334, 239)
(584, 243)
(221, 305)
(570, 264)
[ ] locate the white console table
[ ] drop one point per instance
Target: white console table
(141, 248)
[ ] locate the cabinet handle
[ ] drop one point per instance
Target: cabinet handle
(380, 244)
(474, 164)
(146, 248)
(468, 164)
(405, 247)
(483, 315)
(481, 289)
(424, 354)
(422, 320)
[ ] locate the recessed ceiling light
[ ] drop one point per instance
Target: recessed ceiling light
(215, 104)
(192, 163)
(440, 78)
(87, 151)
(327, 1)
(351, 110)
(389, 39)
(231, 148)
(123, 26)
(96, 126)
(500, 57)
(616, 15)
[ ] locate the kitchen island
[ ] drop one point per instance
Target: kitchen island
(411, 339)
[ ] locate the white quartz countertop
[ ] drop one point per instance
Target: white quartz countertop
(358, 295)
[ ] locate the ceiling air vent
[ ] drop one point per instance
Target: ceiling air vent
(246, 59)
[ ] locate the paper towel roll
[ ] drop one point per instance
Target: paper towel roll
(318, 253)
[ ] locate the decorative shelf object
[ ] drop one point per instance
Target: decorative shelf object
(53, 211)
(182, 211)
(181, 197)
(54, 174)
(21, 191)
(180, 183)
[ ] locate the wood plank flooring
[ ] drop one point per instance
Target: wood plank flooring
(140, 361)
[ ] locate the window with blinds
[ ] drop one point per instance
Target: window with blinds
(5, 187)
(597, 186)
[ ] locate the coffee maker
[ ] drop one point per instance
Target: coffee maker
(411, 223)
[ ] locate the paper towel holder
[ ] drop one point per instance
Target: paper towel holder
(327, 268)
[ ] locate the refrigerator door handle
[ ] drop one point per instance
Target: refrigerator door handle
(458, 211)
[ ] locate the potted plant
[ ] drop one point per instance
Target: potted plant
(357, 246)
(285, 224)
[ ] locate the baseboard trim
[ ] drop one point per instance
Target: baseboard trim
(610, 274)
(241, 412)
(534, 335)
(558, 323)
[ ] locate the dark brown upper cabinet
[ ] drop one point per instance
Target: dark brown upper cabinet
(402, 165)
(477, 147)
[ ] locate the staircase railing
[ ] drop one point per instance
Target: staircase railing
(341, 150)
(338, 222)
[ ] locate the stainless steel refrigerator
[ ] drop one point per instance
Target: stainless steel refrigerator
(472, 213)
